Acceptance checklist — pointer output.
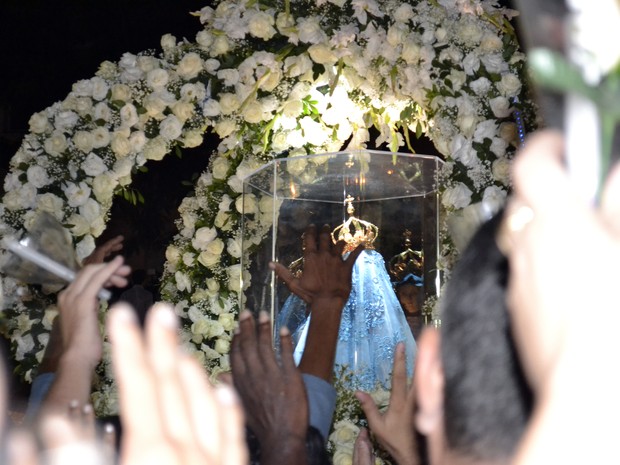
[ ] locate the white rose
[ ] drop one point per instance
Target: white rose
(103, 187)
(235, 183)
(121, 92)
(225, 128)
(173, 255)
(56, 143)
(501, 170)
(93, 165)
(253, 112)
(310, 31)
(157, 78)
(208, 259)
(500, 106)
(227, 320)
(50, 203)
(234, 278)
(508, 132)
(155, 149)
(233, 246)
(83, 141)
(65, 120)
(471, 63)
(129, 115)
(192, 138)
(322, 54)
(220, 45)
(100, 88)
(189, 66)
(204, 38)
(37, 176)
(91, 210)
(411, 52)
(490, 43)
(397, 33)
(183, 110)
(211, 108)
(168, 42)
(494, 63)
(344, 432)
(76, 194)
(246, 204)
(85, 247)
(193, 91)
(188, 259)
(38, 123)
(403, 13)
(261, 25)
(155, 105)
(343, 457)
(498, 146)
(480, 86)
(229, 103)
(485, 130)
(220, 167)
(101, 137)
(203, 237)
(137, 140)
(509, 85)
(457, 196)
(215, 247)
(297, 65)
(222, 346)
(170, 128)
(469, 31)
(182, 281)
(494, 198)
(80, 225)
(222, 221)
(102, 112)
(120, 144)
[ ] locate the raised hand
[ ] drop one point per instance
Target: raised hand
(75, 346)
(171, 415)
(102, 252)
(272, 392)
(395, 429)
(325, 273)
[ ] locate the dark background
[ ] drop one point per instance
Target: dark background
(46, 46)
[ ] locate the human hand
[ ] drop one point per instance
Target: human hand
(325, 275)
(273, 394)
(560, 249)
(104, 251)
(395, 429)
(78, 307)
(171, 415)
(362, 449)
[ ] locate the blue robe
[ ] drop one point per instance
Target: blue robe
(372, 323)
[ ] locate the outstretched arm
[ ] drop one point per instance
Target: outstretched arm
(324, 285)
(79, 334)
(395, 429)
(272, 393)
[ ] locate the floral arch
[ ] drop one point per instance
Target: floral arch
(271, 78)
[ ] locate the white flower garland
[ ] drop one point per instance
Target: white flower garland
(270, 78)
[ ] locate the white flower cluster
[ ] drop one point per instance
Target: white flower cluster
(271, 82)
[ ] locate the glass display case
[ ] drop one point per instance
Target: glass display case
(396, 192)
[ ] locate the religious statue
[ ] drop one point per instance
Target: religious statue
(373, 321)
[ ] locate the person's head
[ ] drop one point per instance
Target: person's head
(473, 398)
(409, 297)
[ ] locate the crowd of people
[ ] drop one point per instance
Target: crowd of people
(513, 375)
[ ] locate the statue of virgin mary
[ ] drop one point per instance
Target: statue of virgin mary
(372, 322)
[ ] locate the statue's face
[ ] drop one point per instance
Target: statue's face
(408, 296)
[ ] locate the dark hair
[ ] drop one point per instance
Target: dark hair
(487, 400)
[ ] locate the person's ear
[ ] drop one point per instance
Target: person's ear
(429, 382)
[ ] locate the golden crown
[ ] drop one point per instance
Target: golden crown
(408, 261)
(355, 231)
